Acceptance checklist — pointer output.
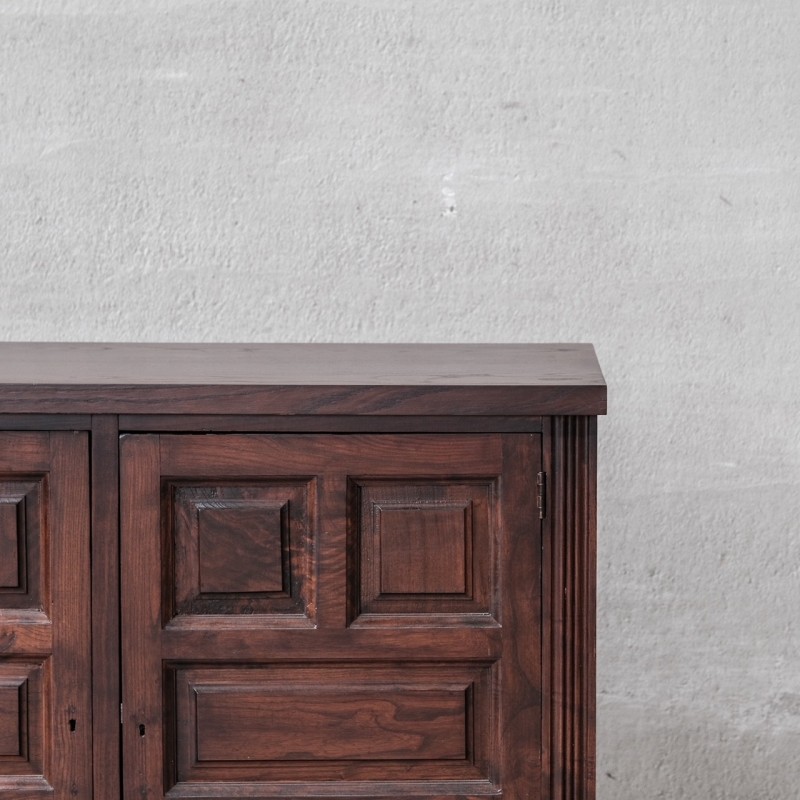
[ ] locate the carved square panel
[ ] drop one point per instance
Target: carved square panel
(21, 719)
(22, 534)
(243, 547)
(239, 548)
(422, 548)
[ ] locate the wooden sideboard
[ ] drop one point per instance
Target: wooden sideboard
(297, 571)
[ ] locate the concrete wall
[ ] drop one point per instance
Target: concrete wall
(620, 172)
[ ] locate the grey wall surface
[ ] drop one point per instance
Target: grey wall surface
(626, 173)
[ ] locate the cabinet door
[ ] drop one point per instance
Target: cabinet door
(45, 664)
(331, 616)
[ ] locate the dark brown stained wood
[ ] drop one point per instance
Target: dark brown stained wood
(242, 548)
(252, 722)
(239, 547)
(363, 790)
(45, 422)
(22, 721)
(22, 453)
(25, 633)
(325, 423)
(45, 660)
(266, 705)
(70, 734)
(343, 591)
(23, 536)
(237, 638)
(291, 379)
(520, 668)
(337, 723)
(140, 510)
(13, 716)
(12, 524)
(424, 548)
(423, 455)
(105, 606)
(569, 592)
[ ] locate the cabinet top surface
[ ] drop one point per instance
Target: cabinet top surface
(537, 378)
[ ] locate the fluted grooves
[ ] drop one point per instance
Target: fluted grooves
(570, 565)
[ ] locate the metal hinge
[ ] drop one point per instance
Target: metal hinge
(121, 714)
(541, 493)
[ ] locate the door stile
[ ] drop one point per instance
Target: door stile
(71, 719)
(142, 731)
(106, 694)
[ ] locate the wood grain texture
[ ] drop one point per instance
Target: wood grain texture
(300, 721)
(401, 492)
(105, 606)
(45, 619)
(425, 547)
(12, 525)
(70, 731)
(395, 729)
(143, 724)
(23, 726)
(237, 546)
(569, 592)
(24, 538)
(13, 716)
(290, 379)
(326, 423)
(362, 790)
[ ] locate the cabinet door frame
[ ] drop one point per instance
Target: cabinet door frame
(146, 458)
(46, 643)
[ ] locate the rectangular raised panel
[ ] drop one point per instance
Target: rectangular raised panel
(22, 731)
(238, 548)
(425, 547)
(22, 530)
(423, 550)
(10, 571)
(10, 512)
(242, 547)
(247, 723)
(12, 723)
(365, 720)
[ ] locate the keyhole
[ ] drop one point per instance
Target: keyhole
(141, 730)
(72, 724)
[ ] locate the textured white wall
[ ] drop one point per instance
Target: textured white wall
(623, 172)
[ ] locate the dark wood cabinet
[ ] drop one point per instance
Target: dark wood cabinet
(297, 571)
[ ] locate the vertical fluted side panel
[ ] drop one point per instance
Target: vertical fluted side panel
(569, 584)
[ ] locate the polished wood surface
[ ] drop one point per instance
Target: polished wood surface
(331, 661)
(364, 379)
(45, 656)
(302, 524)
(569, 593)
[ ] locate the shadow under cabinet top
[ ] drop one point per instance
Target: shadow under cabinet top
(292, 379)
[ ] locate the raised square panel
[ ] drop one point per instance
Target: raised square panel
(425, 551)
(23, 535)
(238, 549)
(423, 548)
(242, 547)
(290, 722)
